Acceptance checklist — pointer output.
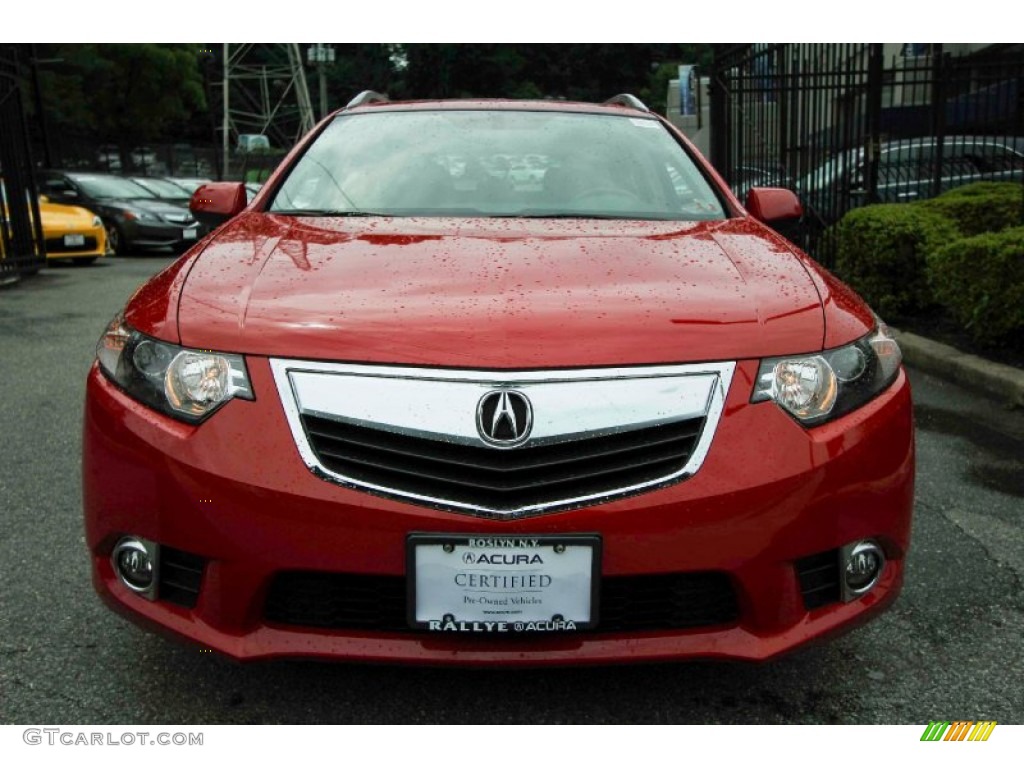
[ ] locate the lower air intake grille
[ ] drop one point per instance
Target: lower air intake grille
(667, 601)
(338, 601)
(377, 603)
(181, 575)
(502, 479)
(819, 579)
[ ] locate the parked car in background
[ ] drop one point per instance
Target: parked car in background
(108, 157)
(189, 184)
(164, 189)
(746, 177)
(906, 171)
(252, 142)
(187, 160)
(396, 411)
(132, 216)
(145, 159)
(71, 233)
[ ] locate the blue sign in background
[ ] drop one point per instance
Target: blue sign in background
(688, 89)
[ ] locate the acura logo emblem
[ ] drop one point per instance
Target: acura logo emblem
(504, 418)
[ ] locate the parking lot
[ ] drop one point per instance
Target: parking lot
(949, 649)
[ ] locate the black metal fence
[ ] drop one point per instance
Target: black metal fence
(21, 249)
(76, 153)
(849, 124)
(185, 160)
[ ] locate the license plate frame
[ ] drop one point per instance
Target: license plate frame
(192, 233)
(506, 618)
(74, 241)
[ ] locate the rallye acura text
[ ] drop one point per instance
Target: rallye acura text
(415, 403)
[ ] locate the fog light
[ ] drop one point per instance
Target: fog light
(136, 562)
(862, 562)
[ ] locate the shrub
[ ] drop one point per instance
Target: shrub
(882, 253)
(986, 206)
(981, 281)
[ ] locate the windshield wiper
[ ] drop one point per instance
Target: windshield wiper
(622, 216)
(553, 216)
(326, 212)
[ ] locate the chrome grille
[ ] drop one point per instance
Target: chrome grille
(423, 435)
(503, 480)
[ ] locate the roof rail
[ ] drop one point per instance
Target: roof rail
(628, 100)
(367, 97)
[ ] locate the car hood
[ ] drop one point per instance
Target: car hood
(65, 217)
(498, 293)
(153, 205)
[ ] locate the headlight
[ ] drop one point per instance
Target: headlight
(187, 384)
(97, 222)
(817, 388)
(134, 213)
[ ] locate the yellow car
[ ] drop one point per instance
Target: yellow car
(72, 233)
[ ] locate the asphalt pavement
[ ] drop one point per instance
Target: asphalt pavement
(951, 648)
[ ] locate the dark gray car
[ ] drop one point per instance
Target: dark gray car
(132, 215)
(907, 171)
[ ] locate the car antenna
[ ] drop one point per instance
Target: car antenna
(628, 100)
(368, 97)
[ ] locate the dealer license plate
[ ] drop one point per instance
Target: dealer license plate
(189, 234)
(503, 584)
(74, 241)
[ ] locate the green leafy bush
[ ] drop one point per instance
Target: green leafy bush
(986, 206)
(981, 281)
(882, 253)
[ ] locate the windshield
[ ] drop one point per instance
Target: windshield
(101, 187)
(191, 185)
(497, 163)
(162, 188)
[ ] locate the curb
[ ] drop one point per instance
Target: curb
(1002, 381)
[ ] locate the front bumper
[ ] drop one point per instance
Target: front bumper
(146, 234)
(64, 243)
(236, 492)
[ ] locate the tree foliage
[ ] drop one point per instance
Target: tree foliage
(574, 71)
(121, 92)
(155, 92)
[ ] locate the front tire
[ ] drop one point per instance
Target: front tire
(115, 239)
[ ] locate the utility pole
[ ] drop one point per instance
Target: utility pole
(226, 127)
(263, 91)
(321, 55)
(37, 95)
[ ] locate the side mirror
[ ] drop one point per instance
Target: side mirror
(213, 204)
(773, 204)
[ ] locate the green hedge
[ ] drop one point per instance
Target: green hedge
(986, 206)
(882, 253)
(981, 280)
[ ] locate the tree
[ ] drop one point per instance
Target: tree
(576, 71)
(122, 93)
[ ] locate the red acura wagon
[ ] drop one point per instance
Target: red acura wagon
(496, 382)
